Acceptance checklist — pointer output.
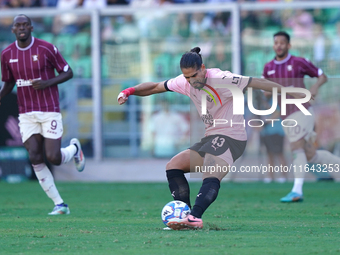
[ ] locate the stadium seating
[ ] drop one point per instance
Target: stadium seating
(268, 32)
(85, 117)
(81, 42)
(64, 44)
(161, 65)
(48, 37)
(82, 67)
(105, 66)
(254, 63)
(174, 65)
(329, 31)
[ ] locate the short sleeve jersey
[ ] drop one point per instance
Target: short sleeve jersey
(37, 61)
(289, 72)
(219, 102)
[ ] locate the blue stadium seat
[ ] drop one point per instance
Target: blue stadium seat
(174, 65)
(64, 44)
(82, 67)
(330, 31)
(81, 42)
(105, 66)
(48, 37)
(268, 32)
(296, 53)
(254, 63)
(161, 66)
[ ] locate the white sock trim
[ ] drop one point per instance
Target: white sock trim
(298, 184)
(68, 153)
(300, 159)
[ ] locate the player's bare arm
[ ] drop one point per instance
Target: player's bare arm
(322, 79)
(267, 85)
(62, 77)
(143, 89)
(6, 89)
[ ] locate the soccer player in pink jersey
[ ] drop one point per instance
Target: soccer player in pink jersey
(30, 63)
(222, 144)
(289, 71)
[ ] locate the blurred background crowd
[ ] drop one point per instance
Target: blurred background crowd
(104, 3)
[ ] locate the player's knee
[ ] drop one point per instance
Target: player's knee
(170, 165)
(180, 161)
(174, 163)
(53, 158)
(35, 157)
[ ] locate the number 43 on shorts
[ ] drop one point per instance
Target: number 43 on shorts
(217, 142)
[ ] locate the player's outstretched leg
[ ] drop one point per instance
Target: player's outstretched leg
(206, 196)
(79, 158)
(296, 194)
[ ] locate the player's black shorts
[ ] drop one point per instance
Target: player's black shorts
(218, 145)
(273, 143)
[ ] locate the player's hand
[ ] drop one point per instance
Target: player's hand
(122, 98)
(39, 84)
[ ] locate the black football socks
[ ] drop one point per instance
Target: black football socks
(206, 196)
(179, 186)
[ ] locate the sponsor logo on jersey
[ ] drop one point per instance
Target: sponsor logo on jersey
(13, 60)
(207, 118)
(23, 83)
(289, 67)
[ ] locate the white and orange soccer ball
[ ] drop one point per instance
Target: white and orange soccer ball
(174, 209)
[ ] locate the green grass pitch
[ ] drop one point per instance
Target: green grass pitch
(124, 218)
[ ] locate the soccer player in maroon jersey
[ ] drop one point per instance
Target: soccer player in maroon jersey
(30, 63)
(288, 71)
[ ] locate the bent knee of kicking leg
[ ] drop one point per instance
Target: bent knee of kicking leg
(171, 165)
(180, 161)
(177, 163)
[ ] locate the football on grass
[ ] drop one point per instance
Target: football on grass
(174, 209)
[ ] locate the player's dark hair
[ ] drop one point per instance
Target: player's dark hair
(23, 15)
(191, 59)
(283, 33)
